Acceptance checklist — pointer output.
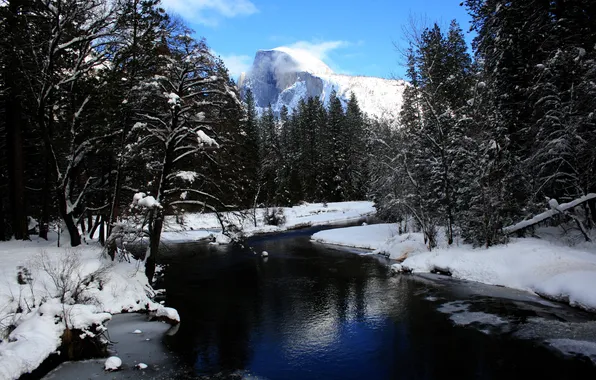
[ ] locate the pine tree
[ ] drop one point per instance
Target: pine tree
(534, 56)
(336, 156)
(353, 142)
(269, 154)
(285, 164)
(251, 146)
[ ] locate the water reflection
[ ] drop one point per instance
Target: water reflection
(312, 312)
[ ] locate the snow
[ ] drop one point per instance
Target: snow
(566, 274)
(187, 176)
(141, 366)
(173, 98)
(378, 97)
(113, 363)
(116, 287)
(205, 140)
(366, 237)
(555, 209)
(137, 197)
(168, 313)
(380, 238)
(137, 331)
(143, 200)
(200, 226)
(34, 339)
(547, 268)
(460, 315)
(572, 287)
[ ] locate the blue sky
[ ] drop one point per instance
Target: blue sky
(352, 37)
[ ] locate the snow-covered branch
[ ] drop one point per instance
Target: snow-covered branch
(555, 209)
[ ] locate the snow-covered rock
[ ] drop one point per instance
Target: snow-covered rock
(113, 363)
(141, 366)
(283, 76)
(265, 254)
(167, 314)
(137, 332)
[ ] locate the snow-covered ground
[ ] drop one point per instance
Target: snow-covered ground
(44, 289)
(546, 266)
(195, 226)
(382, 239)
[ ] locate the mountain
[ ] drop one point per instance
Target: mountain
(283, 76)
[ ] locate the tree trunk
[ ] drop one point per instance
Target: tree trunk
(83, 228)
(592, 207)
(89, 222)
(73, 231)
(97, 223)
(102, 231)
(155, 237)
(44, 220)
(2, 220)
(14, 137)
(115, 209)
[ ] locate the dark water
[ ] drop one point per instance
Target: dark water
(310, 312)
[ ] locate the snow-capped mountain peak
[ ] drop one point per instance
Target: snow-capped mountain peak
(283, 76)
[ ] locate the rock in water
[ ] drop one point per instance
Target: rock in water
(113, 363)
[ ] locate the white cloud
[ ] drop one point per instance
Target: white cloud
(210, 12)
(237, 64)
(320, 50)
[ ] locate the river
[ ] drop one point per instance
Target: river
(311, 312)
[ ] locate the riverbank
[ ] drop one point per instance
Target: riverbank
(58, 297)
(550, 266)
(51, 292)
(139, 344)
(207, 226)
(309, 310)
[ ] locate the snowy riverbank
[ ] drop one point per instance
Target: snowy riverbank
(47, 292)
(196, 226)
(547, 267)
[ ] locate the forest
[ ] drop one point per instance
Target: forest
(104, 103)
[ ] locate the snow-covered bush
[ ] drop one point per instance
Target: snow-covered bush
(274, 217)
(66, 276)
